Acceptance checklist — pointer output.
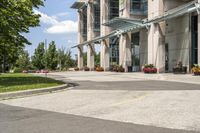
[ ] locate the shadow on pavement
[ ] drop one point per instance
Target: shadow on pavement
(134, 86)
(23, 120)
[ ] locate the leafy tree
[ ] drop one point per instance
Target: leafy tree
(23, 61)
(97, 59)
(64, 59)
(16, 17)
(51, 56)
(38, 59)
(85, 58)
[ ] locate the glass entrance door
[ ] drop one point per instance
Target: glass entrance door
(194, 40)
(135, 41)
(114, 51)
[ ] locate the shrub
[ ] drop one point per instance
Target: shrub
(17, 70)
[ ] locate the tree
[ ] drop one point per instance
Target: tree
(23, 61)
(97, 59)
(38, 59)
(64, 59)
(51, 56)
(16, 17)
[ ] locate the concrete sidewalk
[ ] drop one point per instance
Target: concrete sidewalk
(114, 77)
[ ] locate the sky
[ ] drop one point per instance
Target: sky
(58, 23)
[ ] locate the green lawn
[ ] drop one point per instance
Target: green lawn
(17, 82)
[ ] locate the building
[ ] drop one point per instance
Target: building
(133, 33)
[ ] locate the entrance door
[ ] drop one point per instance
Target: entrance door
(166, 57)
(114, 51)
(135, 40)
(194, 40)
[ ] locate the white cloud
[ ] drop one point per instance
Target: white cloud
(46, 19)
(57, 27)
(67, 26)
(62, 14)
(69, 41)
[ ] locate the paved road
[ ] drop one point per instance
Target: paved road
(137, 106)
(23, 120)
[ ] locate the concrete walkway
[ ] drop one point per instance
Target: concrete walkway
(113, 77)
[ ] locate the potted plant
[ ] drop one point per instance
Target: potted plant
(76, 69)
(117, 68)
(196, 70)
(179, 68)
(99, 69)
(149, 68)
(121, 69)
(86, 69)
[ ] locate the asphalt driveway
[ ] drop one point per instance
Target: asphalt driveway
(115, 106)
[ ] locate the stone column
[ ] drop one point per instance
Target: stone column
(105, 52)
(199, 38)
(156, 42)
(80, 57)
(105, 63)
(125, 58)
(80, 40)
(156, 47)
(90, 56)
(90, 36)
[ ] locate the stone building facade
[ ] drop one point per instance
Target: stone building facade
(133, 33)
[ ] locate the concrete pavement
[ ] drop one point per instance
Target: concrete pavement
(140, 103)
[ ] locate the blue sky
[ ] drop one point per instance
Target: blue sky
(58, 23)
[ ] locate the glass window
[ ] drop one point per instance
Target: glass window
(97, 15)
(114, 51)
(84, 21)
(139, 7)
(114, 9)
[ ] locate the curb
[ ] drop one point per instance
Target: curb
(19, 94)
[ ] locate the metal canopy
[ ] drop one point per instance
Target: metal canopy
(97, 39)
(78, 5)
(123, 25)
(176, 12)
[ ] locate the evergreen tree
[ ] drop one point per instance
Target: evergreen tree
(38, 59)
(51, 56)
(23, 61)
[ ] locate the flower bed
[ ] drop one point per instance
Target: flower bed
(196, 70)
(149, 68)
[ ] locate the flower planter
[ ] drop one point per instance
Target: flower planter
(196, 73)
(180, 70)
(99, 69)
(118, 69)
(196, 70)
(76, 69)
(86, 69)
(149, 68)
